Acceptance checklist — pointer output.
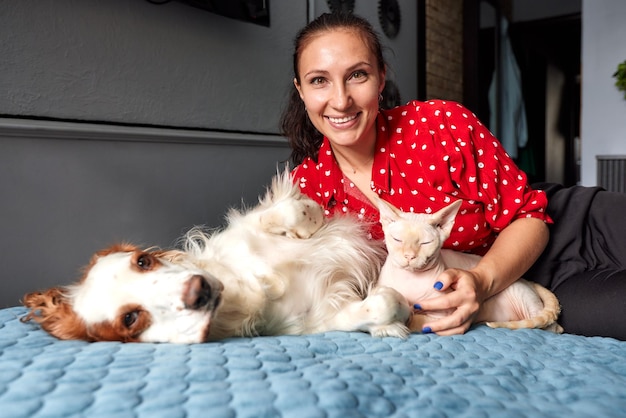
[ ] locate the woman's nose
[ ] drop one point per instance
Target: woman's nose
(341, 98)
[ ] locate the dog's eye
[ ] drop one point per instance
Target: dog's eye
(130, 318)
(144, 262)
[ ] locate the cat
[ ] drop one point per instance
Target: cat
(416, 258)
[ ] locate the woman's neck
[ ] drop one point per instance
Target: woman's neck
(357, 167)
(354, 163)
(356, 159)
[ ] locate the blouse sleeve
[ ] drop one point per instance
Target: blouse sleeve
(485, 172)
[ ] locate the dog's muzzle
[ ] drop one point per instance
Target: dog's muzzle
(202, 293)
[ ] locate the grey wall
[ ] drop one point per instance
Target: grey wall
(119, 84)
(603, 108)
(524, 10)
(121, 120)
(131, 61)
(69, 190)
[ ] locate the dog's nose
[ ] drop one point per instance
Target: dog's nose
(198, 294)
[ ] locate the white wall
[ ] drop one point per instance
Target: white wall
(603, 113)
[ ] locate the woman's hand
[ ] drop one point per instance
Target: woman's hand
(511, 255)
(462, 291)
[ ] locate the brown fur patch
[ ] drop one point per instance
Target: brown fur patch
(53, 312)
(118, 330)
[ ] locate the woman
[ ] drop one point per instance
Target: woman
(422, 156)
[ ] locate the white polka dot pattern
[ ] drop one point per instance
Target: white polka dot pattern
(430, 154)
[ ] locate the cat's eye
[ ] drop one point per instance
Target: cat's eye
(426, 243)
(396, 239)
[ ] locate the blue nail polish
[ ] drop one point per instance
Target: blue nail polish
(427, 330)
(417, 306)
(438, 285)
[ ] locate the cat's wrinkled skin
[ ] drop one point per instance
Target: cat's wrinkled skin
(416, 260)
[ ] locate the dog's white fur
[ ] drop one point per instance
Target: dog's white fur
(278, 268)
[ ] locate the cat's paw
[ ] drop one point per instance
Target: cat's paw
(396, 329)
(294, 218)
(554, 327)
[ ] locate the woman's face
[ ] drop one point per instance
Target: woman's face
(340, 84)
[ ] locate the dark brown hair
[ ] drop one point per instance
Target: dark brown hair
(303, 137)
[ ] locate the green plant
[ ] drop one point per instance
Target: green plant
(620, 77)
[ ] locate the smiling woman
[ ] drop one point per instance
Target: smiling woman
(339, 83)
(421, 157)
(340, 79)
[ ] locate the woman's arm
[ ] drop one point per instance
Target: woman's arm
(514, 251)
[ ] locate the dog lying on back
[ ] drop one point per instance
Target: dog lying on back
(278, 268)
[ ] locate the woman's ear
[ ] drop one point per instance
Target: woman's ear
(298, 87)
(383, 75)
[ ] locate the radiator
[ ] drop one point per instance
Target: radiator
(612, 172)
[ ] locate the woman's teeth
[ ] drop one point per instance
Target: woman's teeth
(342, 120)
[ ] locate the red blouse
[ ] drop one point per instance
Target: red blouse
(429, 155)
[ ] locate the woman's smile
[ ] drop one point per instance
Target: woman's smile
(343, 122)
(342, 119)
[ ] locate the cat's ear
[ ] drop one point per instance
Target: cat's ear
(444, 218)
(388, 213)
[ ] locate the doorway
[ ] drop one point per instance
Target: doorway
(547, 53)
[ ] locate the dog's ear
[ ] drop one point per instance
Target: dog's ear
(54, 313)
(174, 256)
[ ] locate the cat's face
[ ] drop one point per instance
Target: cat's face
(414, 239)
(413, 244)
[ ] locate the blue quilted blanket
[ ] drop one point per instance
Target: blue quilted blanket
(486, 372)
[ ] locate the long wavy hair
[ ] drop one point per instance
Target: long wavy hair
(303, 137)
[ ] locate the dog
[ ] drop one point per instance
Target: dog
(278, 268)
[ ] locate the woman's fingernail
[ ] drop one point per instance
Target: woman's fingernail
(438, 285)
(417, 306)
(427, 330)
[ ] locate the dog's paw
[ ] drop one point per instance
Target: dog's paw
(294, 218)
(387, 306)
(396, 329)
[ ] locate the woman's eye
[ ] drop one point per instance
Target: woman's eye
(144, 262)
(130, 318)
(358, 75)
(317, 80)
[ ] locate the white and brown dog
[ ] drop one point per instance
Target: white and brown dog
(278, 268)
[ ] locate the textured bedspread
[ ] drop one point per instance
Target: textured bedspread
(526, 373)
